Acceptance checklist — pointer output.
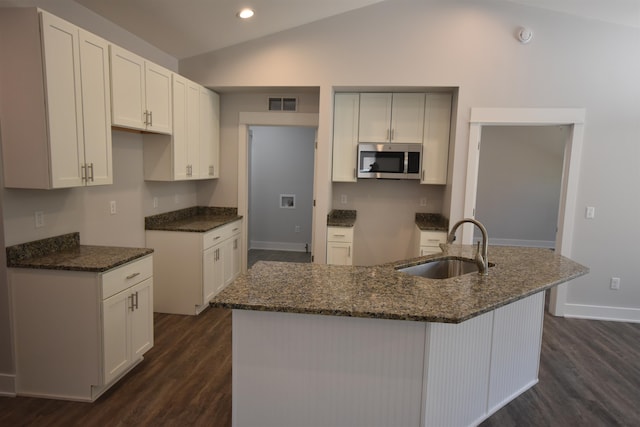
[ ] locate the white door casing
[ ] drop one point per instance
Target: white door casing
(570, 173)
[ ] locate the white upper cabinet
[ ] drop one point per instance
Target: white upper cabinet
(192, 151)
(391, 117)
(58, 135)
(435, 146)
(345, 136)
(209, 134)
(140, 93)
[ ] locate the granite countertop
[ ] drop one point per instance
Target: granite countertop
(432, 222)
(66, 253)
(197, 219)
(382, 292)
(341, 218)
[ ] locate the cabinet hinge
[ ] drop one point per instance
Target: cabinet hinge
(314, 203)
(311, 258)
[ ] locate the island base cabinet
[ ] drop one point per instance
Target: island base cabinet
(294, 369)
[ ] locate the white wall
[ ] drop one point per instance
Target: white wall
(571, 62)
(519, 180)
(281, 161)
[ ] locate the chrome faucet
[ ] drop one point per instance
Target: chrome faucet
(481, 258)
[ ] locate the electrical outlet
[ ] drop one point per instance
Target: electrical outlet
(297, 228)
(112, 207)
(39, 219)
(423, 201)
(615, 283)
(155, 202)
(343, 199)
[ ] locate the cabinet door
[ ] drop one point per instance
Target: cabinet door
(407, 118)
(193, 129)
(209, 134)
(158, 97)
(231, 259)
(128, 101)
(63, 100)
(141, 318)
(115, 312)
(180, 134)
(435, 145)
(339, 253)
(375, 117)
(345, 136)
(209, 282)
(96, 105)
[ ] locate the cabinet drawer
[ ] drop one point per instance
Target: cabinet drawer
(220, 234)
(340, 234)
(123, 277)
(432, 238)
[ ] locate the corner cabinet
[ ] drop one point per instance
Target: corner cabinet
(192, 267)
(193, 149)
(391, 117)
(140, 93)
(340, 245)
(59, 134)
(76, 333)
(345, 136)
(435, 145)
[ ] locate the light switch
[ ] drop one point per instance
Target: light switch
(590, 212)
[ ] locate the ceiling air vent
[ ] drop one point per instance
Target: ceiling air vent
(278, 103)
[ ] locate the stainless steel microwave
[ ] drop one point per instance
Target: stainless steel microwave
(390, 161)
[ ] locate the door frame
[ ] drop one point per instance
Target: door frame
(573, 117)
(247, 119)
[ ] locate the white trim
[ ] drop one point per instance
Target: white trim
(571, 168)
(245, 120)
(8, 385)
(596, 312)
(278, 246)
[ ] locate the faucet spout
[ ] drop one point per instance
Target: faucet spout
(481, 256)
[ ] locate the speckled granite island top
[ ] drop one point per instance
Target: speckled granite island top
(197, 219)
(66, 253)
(382, 292)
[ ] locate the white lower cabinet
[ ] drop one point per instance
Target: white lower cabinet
(76, 333)
(191, 268)
(340, 245)
(429, 241)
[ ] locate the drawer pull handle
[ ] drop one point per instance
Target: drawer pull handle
(216, 238)
(235, 229)
(131, 276)
(339, 235)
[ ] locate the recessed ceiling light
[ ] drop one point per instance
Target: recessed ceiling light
(245, 13)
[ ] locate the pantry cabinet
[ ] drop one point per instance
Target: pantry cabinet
(345, 136)
(140, 93)
(208, 262)
(435, 145)
(391, 117)
(59, 133)
(75, 332)
(340, 245)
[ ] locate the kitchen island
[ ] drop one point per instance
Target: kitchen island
(323, 345)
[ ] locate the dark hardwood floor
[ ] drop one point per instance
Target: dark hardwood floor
(589, 376)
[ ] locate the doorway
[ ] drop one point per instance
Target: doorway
(572, 117)
(246, 120)
(519, 182)
(281, 172)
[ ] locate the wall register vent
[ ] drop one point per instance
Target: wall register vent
(283, 104)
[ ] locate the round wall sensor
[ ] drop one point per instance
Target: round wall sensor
(524, 35)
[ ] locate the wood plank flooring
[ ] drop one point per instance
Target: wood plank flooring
(589, 376)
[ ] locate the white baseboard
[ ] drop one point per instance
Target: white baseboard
(520, 242)
(278, 246)
(8, 385)
(596, 312)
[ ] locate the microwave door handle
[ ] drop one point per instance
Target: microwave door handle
(406, 162)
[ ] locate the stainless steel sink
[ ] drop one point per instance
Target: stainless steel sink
(442, 268)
